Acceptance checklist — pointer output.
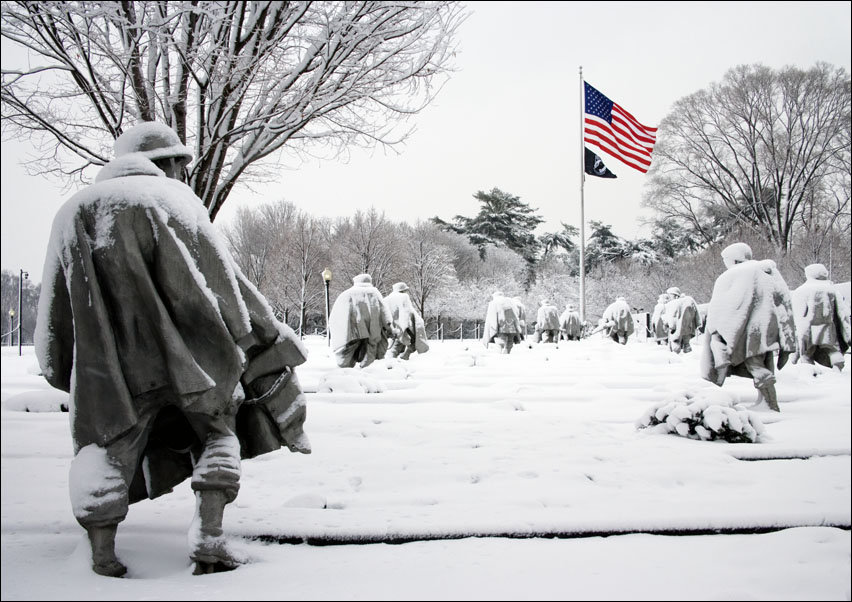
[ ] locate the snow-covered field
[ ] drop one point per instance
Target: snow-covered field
(537, 453)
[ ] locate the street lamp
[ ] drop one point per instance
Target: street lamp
(24, 275)
(326, 276)
(11, 331)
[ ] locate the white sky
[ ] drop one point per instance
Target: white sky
(509, 117)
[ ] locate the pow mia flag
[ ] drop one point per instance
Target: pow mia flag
(595, 166)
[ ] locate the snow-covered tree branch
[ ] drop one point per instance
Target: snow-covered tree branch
(240, 82)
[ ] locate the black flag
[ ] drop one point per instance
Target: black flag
(596, 167)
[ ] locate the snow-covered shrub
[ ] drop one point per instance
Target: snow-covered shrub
(48, 400)
(707, 415)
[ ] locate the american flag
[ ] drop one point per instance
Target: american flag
(616, 132)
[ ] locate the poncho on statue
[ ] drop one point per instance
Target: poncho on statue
(682, 320)
(822, 319)
(570, 325)
(751, 313)
(501, 318)
(618, 319)
(412, 329)
(659, 325)
(360, 324)
(547, 318)
(140, 295)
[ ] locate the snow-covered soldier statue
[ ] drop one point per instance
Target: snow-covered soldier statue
(547, 323)
(175, 364)
(570, 325)
(822, 320)
(750, 318)
(412, 330)
(502, 325)
(360, 324)
(659, 326)
(618, 320)
(683, 319)
(522, 315)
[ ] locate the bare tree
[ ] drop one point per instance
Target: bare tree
(241, 80)
(755, 151)
(428, 263)
(305, 247)
(368, 243)
(9, 283)
(258, 239)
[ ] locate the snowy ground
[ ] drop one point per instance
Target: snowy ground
(537, 450)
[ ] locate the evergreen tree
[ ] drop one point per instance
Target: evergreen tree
(552, 242)
(604, 246)
(671, 239)
(503, 221)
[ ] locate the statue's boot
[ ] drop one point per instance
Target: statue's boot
(771, 397)
(209, 547)
(104, 561)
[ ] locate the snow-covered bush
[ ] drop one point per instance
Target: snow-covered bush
(49, 400)
(707, 415)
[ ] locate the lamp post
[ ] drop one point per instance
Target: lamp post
(22, 277)
(326, 276)
(11, 331)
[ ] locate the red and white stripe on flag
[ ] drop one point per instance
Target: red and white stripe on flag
(625, 138)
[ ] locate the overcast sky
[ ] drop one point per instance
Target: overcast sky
(509, 116)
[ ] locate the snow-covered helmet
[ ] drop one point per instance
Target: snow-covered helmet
(674, 291)
(736, 253)
(816, 271)
(400, 287)
(154, 140)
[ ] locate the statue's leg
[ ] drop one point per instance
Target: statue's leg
(500, 341)
(209, 548)
(761, 369)
(104, 560)
(98, 481)
(836, 358)
(345, 356)
(215, 481)
(771, 397)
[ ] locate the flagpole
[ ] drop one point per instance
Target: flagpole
(582, 213)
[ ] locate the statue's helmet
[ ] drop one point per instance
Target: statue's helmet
(816, 271)
(154, 140)
(738, 252)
